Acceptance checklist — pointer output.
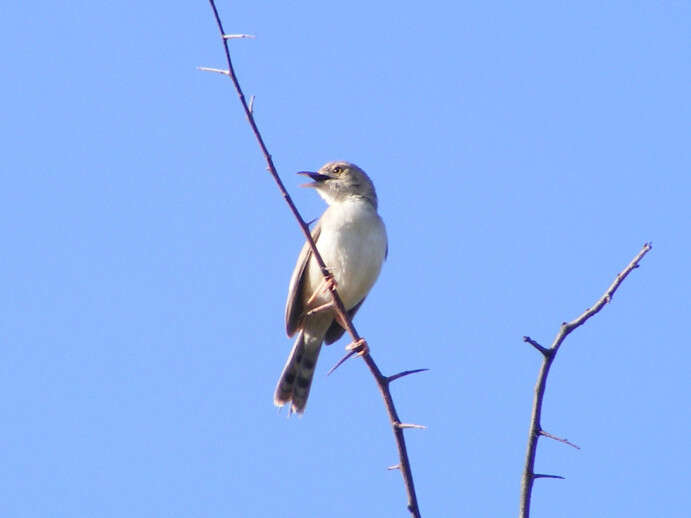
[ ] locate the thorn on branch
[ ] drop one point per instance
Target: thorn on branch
(217, 70)
(251, 105)
(238, 36)
(394, 467)
(410, 425)
(540, 475)
(394, 377)
(559, 439)
(341, 362)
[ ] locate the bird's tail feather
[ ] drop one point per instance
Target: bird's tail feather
(296, 379)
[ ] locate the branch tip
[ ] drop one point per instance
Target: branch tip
(543, 350)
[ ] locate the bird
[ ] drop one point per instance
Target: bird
(351, 238)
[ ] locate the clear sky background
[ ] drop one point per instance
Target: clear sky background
(522, 152)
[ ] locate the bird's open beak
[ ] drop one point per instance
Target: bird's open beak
(317, 177)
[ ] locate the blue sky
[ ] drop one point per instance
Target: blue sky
(522, 153)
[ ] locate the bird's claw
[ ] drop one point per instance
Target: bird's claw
(359, 347)
(327, 284)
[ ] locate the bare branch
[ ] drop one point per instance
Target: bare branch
(549, 354)
(404, 465)
(606, 298)
(339, 308)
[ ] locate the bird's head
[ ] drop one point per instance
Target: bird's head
(337, 181)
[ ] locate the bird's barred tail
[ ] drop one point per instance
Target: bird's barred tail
(296, 379)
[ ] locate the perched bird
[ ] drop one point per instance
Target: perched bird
(351, 238)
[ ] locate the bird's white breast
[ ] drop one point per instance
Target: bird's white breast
(353, 245)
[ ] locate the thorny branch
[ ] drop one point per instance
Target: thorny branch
(382, 381)
(548, 354)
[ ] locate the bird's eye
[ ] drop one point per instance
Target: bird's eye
(338, 169)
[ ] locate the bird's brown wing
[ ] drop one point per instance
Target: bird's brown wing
(294, 303)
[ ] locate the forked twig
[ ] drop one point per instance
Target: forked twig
(548, 355)
(339, 308)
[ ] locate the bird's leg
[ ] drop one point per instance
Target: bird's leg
(327, 283)
(319, 309)
(358, 344)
